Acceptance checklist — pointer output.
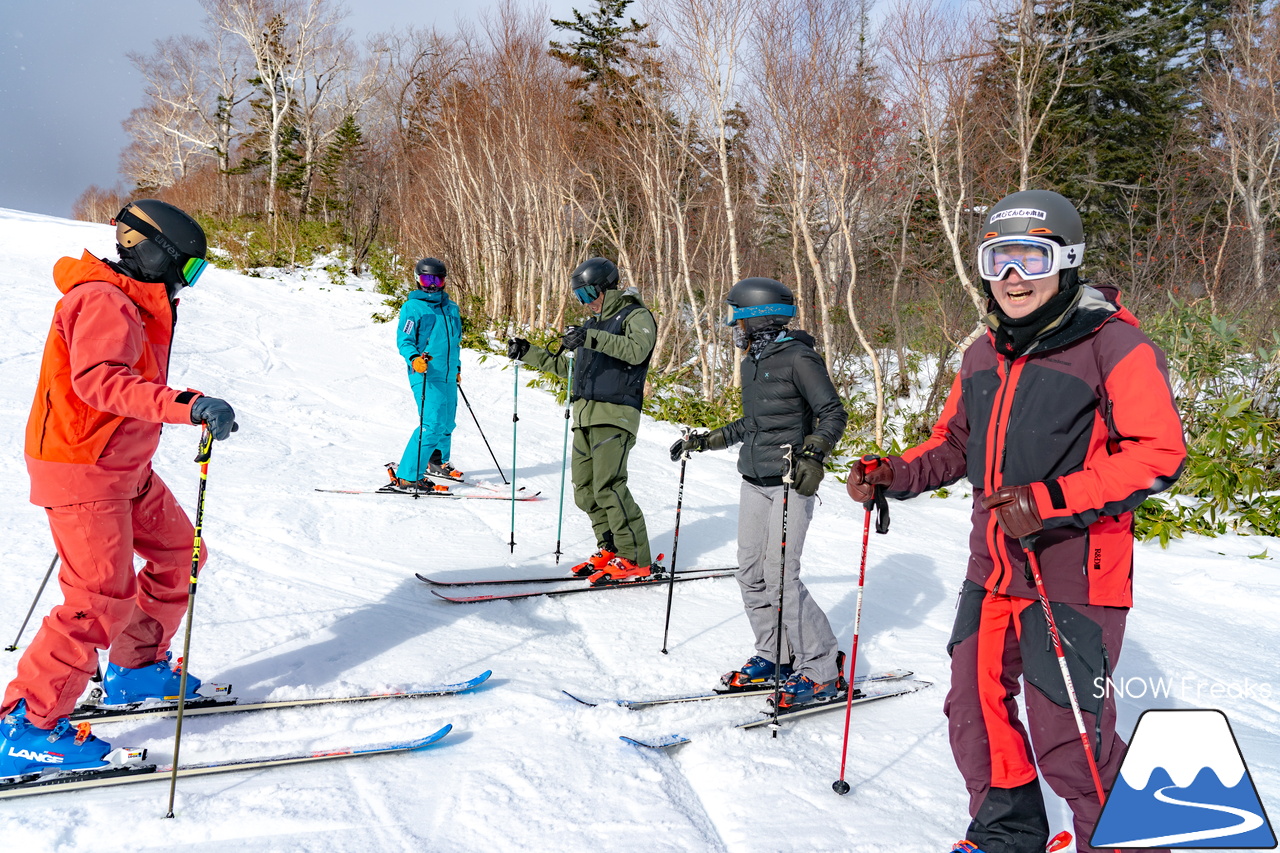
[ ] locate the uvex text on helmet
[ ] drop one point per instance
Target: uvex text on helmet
(592, 277)
(761, 297)
(161, 240)
(1036, 232)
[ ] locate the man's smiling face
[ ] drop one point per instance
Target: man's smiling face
(1018, 298)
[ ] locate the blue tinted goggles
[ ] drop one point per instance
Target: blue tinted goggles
(775, 310)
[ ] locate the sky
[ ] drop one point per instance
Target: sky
(66, 83)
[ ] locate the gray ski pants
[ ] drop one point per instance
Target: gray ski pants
(807, 639)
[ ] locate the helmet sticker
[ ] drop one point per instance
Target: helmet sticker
(1018, 213)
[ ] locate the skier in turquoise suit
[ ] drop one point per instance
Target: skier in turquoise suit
(428, 333)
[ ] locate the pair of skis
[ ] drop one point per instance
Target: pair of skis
(867, 688)
(563, 584)
(485, 491)
(129, 764)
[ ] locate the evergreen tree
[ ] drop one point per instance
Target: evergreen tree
(1131, 81)
(608, 55)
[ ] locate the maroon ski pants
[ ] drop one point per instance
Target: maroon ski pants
(995, 640)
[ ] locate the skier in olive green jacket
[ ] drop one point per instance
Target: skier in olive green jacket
(609, 354)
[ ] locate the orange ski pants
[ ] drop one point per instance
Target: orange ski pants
(107, 605)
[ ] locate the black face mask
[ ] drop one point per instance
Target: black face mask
(148, 262)
(1014, 337)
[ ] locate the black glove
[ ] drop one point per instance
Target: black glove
(516, 348)
(696, 442)
(573, 337)
(216, 414)
(809, 470)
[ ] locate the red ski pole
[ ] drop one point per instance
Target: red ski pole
(1029, 547)
(870, 463)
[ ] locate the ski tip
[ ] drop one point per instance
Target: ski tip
(663, 742)
(1061, 841)
(481, 678)
(435, 736)
(579, 699)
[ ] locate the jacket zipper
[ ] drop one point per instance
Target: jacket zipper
(1004, 369)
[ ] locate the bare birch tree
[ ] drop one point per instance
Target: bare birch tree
(1243, 95)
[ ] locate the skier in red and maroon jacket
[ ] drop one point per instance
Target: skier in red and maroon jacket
(94, 426)
(1063, 420)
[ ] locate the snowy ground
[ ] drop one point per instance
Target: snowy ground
(314, 594)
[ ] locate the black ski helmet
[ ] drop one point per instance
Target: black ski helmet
(762, 302)
(430, 266)
(159, 242)
(592, 277)
(1040, 214)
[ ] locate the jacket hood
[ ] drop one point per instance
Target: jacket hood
(616, 300)
(69, 273)
(438, 297)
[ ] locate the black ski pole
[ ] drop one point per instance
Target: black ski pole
(202, 456)
(782, 589)
(515, 420)
(564, 455)
(34, 601)
(675, 545)
(482, 436)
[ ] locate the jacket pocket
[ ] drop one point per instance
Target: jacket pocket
(1109, 561)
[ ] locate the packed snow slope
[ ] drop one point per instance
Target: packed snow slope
(311, 594)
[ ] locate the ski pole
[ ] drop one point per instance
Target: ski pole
(202, 456)
(14, 646)
(1033, 563)
(482, 436)
(564, 455)
(840, 786)
(515, 420)
(422, 415)
(675, 545)
(782, 589)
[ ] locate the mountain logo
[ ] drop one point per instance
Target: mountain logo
(1184, 783)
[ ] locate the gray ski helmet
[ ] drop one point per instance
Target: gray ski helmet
(592, 277)
(762, 302)
(430, 266)
(160, 242)
(1041, 214)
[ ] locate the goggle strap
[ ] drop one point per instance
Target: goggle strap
(152, 233)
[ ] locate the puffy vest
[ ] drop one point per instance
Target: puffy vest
(601, 377)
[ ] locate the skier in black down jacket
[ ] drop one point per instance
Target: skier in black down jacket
(791, 415)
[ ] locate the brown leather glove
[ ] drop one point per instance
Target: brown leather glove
(864, 475)
(1015, 509)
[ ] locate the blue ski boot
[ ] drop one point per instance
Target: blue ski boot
(758, 670)
(25, 748)
(802, 690)
(965, 847)
(160, 680)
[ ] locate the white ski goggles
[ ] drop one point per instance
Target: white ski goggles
(1032, 257)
